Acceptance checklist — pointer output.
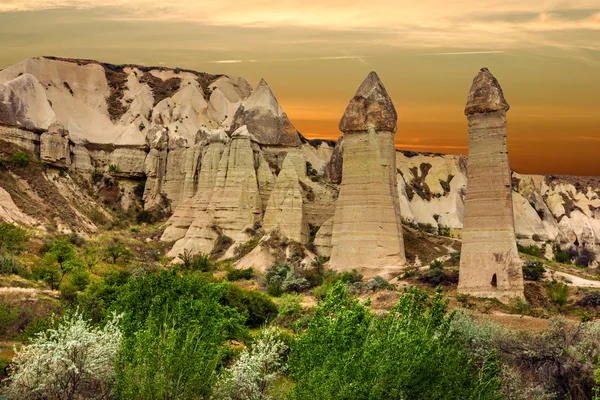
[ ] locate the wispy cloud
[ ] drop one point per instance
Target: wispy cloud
(461, 53)
(325, 58)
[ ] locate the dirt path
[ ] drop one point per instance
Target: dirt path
(574, 280)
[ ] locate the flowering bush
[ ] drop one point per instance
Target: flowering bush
(73, 360)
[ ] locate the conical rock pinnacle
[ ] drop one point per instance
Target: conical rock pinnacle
(371, 106)
(485, 95)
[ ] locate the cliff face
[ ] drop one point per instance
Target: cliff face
(225, 160)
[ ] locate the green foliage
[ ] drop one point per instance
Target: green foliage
(284, 278)
(144, 217)
(79, 278)
(222, 244)
(348, 353)
(196, 262)
(96, 302)
(290, 305)
(239, 274)
(561, 256)
(255, 306)
(436, 275)
(444, 231)
(56, 263)
(13, 238)
(532, 250)
(116, 250)
(68, 292)
(9, 315)
(113, 168)
(332, 278)
(20, 159)
(174, 330)
(378, 283)
(533, 270)
(590, 299)
(558, 292)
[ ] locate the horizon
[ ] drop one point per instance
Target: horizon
(546, 59)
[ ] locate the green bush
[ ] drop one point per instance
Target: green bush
(378, 283)
(98, 299)
(532, 250)
(144, 217)
(113, 168)
(13, 238)
(348, 353)
(590, 299)
(80, 278)
(195, 262)
(332, 278)
(533, 270)
(239, 274)
(436, 275)
(9, 315)
(561, 256)
(20, 159)
(558, 292)
(174, 336)
(256, 307)
(290, 305)
(283, 278)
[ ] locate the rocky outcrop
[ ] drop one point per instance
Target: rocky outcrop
(489, 262)
(285, 206)
(333, 169)
(367, 228)
(54, 146)
(235, 203)
(265, 118)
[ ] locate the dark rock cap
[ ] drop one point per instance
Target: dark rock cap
(485, 95)
(370, 106)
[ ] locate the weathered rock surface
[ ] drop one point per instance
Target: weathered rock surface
(367, 228)
(285, 206)
(489, 263)
(54, 146)
(265, 118)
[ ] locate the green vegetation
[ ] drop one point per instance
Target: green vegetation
(239, 274)
(20, 159)
(113, 169)
(347, 353)
(533, 270)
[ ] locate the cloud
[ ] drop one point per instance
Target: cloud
(396, 23)
(460, 53)
(325, 58)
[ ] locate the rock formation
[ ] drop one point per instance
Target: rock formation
(54, 146)
(265, 118)
(367, 228)
(285, 206)
(489, 262)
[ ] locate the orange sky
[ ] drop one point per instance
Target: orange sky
(545, 54)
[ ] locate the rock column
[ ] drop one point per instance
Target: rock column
(489, 264)
(367, 228)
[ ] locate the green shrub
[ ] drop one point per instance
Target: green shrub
(174, 336)
(348, 353)
(68, 292)
(99, 297)
(13, 238)
(80, 278)
(196, 262)
(590, 299)
(347, 277)
(436, 275)
(444, 231)
(561, 256)
(9, 315)
(532, 250)
(20, 159)
(113, 168)
(558, 292)
(378, 283)
(290, 305)
(283, 278)
(257, 307)
(533, 270)
(144, 217)
(239, 274)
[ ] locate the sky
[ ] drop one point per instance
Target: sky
(545, 54)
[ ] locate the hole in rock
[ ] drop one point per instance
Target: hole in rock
(494, 281)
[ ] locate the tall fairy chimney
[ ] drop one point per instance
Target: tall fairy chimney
(489, 261)
(367, 228)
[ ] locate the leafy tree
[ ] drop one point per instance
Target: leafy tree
(348, 353)
(13, 238)
(20, 159)
(73, 360)
(174, 336)
(116, 250)
(90, 257)
(533, 270)
(254, 374)
(57, 262)
(255, 306)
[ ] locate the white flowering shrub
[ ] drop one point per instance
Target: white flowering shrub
(252, 376)
(75, 360)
